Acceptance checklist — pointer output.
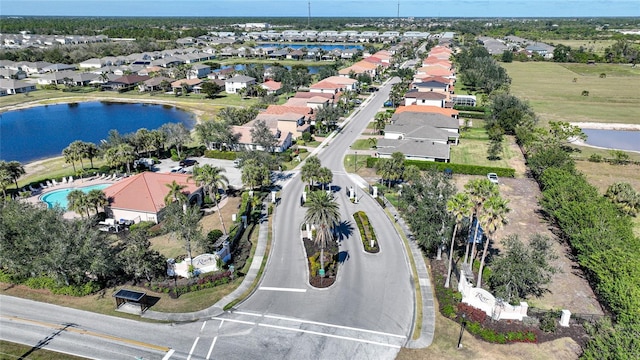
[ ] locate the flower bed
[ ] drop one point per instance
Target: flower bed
(330, 263)
(366, 232)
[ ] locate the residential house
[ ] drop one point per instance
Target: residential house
(12, 87)
(245, 140)
(431, 85)
(93, 63)
(168, 61)
(291, 119)
(35, 67)
(315, 100)
(141, 197)
(124, 83)
(272, 87)
(58, 67)
(430, 98)
(428, 109)
(56, 78)
(6, 73)
(198, 71)
(178, 86)
(238, 82)
(360, 68)
(154, 83)
(222, 74)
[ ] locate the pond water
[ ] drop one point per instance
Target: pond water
(614, 139)
(44, 131)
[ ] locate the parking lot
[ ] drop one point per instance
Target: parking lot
(231, 172)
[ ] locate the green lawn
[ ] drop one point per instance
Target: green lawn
(596, 46)
(363, 144)
(472, 149)
(9, 350)
(554, 91)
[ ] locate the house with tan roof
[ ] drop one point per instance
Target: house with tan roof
(272, 87)
(347, 83)
(325, 87)
(291, 119)
(190, 85)
(360, 68)
(432, 70)
(245, 140)
(141, 197)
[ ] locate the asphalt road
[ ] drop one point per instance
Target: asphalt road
(366, 314)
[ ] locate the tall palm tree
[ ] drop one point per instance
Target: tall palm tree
(479, 190)
(5, 180)
(77, 201)
(119, 155)
(70, 156)
(460, 206)
(211, 178)
(97, 198)
(175, 193)
(323, 213)
(15, 170)
(493, 217)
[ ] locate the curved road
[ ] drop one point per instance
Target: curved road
(368, 312)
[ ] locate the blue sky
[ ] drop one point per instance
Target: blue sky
(348, 8)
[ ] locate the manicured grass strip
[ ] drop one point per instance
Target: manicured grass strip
(10, 350)
(366, 232)
(417, 329)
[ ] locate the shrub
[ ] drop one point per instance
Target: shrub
(456, 168)
(217, 154)
(595, 158)
(306, 136)
(548, 322)
(473, 314)
(314, 265)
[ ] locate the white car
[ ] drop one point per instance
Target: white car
(493, 177)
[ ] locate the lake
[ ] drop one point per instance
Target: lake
(614, 139)
(42, 132)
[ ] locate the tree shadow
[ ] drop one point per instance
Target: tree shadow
(343, 256)
(44, 342)
(343, 230)
(280, 176)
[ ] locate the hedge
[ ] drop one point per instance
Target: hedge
(472, 115)
(217, 154)
(366, 232)
(469, 108)
(456, 168)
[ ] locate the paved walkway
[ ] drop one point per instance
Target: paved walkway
(217, 308)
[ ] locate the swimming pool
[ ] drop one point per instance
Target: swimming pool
(59, 197)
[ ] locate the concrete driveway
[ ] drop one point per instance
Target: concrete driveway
(231, 172)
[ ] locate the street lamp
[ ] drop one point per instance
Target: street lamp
(463, 323)
(355, 162)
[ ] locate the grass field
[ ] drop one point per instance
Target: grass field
(554, 96)
(596, 46)
(473, 146)
(9, 350)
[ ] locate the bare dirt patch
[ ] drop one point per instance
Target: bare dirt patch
(568, 289)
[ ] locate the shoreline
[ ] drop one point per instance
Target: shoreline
(606, 126)
(197, 114)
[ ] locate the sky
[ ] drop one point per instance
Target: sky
(324, 8)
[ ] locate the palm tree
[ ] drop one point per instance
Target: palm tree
(175, 193)
(119, 155)
(323, 213)
(493, 217)
(70, 156)
(5, 180)
(77, 201)
(97, 198)
(479, 190)
(211, 178)
(15, 170)
(380, 121)
(460, 206)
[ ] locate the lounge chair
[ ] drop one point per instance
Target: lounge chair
(64, 180)
(31, 188)
(49, 183)
(70, 179)
(55, 183)
(43, 186)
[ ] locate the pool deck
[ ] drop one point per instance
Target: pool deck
(35, 196)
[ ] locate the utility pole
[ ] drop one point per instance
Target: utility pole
(309, 14)
(398, 10)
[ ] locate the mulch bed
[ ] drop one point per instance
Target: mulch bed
(575, 330)
(330, 264)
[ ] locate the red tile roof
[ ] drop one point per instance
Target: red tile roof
(145, 192)
(426, 109)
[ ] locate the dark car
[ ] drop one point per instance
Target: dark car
(188, 162)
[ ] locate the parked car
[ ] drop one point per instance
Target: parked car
(388, 103)
(188, 162)
(178, 169)
(493, 177)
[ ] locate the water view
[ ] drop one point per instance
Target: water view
(44, 131)
(614, 139)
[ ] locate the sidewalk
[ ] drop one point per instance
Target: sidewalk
(428, 309)
(217, 308)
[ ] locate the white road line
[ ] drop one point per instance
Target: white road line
(335, 326)
(319, 323)
(221, 322)
(203, 324)
(331, 336)
(193, 347)
(167, 356)
(213, 343)
(268, 288)
(236, 321)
